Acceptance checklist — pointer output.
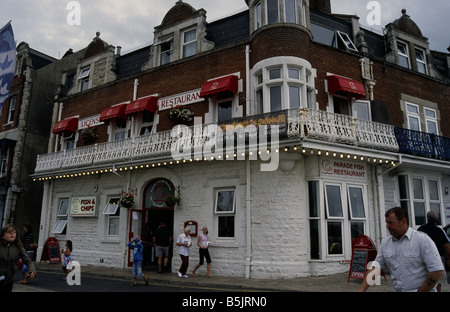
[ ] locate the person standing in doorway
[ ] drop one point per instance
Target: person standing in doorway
(439, 238)
(203, 245)
(184, 243)
(162, 240)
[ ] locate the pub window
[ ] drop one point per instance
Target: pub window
(189, 42)
(62, 215)
(225, 210)
(112, 210)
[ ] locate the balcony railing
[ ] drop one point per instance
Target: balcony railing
(297, 123)
(423, 144)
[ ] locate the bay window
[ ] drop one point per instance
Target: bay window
(283, 83)
(267, 12)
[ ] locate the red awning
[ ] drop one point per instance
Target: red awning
(347, 87)
(69, 124)
(144, 104)
(229, 83)
(117, 111)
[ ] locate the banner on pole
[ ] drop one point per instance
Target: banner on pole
(7, 62)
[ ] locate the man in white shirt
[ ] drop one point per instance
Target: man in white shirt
(184, 243)
(410, 256)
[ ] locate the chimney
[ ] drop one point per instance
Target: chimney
(119, 50)
(323, 6)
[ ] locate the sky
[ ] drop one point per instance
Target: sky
(54, 26)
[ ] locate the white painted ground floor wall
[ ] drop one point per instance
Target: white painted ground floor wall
(271, 220)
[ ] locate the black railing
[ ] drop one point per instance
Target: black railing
(422, 144)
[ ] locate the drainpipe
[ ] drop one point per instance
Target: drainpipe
(135, 90)
(248, 260)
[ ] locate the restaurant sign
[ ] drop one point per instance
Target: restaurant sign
(183, 99)
(83, 206)
(338, 168)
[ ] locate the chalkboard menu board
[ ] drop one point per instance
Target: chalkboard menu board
(359, 263)
(51, 251)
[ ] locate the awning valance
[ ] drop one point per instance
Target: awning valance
(345, 86)
(144, 104)
(69, 124)
(117, 111)
(228, 83)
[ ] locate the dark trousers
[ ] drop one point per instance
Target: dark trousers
(184, 264)
(6, 287)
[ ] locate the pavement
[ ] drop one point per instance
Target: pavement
(320, 284)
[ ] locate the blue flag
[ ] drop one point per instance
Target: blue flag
(7, 62)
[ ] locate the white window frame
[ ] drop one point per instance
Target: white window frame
(431, 119)
(427, 201)
(62, 217)
(263, 82)
(346, 221)
(219, 212)
(186, 44)
(351, 216)
(12, 109)
(413, 115)
(258, 15)
(84, 78)
(112, 211)
(115, 130)
(369, 109)
(278, 12)
(4, 162)
(168, 52)
(404, 55)
(421, 61)
(345, 39)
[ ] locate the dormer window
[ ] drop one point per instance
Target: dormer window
(403, 54)
(348, 43)
(166, 51)
(189, 42)
(84, 79)
(421, 61)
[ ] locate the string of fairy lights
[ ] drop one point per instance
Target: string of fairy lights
(249, 154)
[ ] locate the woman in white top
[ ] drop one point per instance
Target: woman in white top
(203, 244)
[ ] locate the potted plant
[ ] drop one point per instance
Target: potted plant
(180, 114)
(127, 200)
(89, 135)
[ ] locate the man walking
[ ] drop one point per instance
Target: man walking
(411, 257)
(162, 240)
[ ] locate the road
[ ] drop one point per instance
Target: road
(53, 282)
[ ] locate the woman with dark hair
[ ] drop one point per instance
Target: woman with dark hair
(11, 250)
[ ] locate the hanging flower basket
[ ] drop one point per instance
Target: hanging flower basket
(89, 135)
(172, 200)
(181, 114)
(127, 200)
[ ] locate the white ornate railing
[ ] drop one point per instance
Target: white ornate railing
(300, 123)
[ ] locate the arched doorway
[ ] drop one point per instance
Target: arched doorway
(156, 211)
